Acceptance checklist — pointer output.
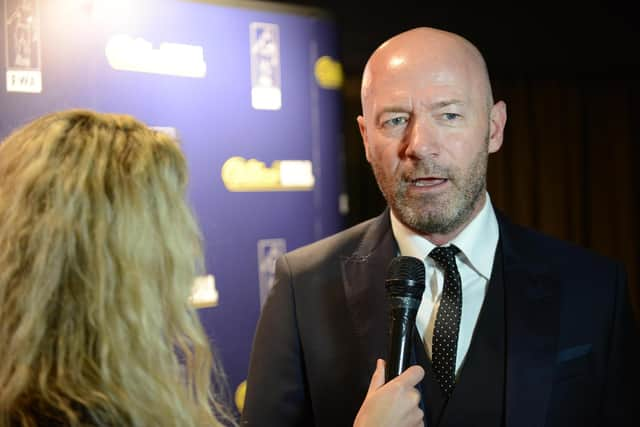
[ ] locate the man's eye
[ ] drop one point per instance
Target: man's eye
(451, 116)
(396, 121)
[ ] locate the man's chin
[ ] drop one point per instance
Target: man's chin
(426, 221)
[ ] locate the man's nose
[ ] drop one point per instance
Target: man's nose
(422, 140)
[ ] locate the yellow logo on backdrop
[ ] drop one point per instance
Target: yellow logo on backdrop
(240, 174)
(329, 73)
(126, 53)
(204, 292)
(241, 392)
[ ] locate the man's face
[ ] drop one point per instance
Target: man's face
(428, 129)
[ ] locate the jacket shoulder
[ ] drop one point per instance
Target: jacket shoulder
(538, 247)
(335, 247)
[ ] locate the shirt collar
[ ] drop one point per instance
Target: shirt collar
(477, 241)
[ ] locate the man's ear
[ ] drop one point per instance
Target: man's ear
(498, 120)
(363, 133)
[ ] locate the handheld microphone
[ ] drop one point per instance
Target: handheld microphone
(404, 286)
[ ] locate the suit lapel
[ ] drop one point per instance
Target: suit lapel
(363, 275)
(532, 310)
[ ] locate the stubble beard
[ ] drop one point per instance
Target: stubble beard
(441, 213)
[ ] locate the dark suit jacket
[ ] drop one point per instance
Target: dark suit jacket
(571, 343)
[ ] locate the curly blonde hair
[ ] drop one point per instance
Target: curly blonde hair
(98, 251)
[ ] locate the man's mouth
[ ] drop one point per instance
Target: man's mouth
(428, 182)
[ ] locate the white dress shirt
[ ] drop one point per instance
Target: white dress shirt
(477, 244)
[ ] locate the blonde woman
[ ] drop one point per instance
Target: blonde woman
(98, 250)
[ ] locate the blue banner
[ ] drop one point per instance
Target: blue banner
(251, 92)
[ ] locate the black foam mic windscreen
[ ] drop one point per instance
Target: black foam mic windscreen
(404, 288)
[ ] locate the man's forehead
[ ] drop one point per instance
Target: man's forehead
(431, 99)
(418, 85)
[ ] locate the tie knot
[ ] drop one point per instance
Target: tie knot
(445, 256)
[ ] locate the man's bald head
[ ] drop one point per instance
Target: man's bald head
(427, 48)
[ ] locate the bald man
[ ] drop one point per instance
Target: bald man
(514, 329)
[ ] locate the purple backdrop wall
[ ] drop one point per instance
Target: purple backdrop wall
(213, 117)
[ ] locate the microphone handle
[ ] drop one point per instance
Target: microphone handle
(402, 321)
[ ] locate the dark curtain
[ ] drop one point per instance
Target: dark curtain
(566, 166)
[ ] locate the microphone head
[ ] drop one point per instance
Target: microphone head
(406, 268)
(405, 278)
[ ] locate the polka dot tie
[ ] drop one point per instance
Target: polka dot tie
(445, 332)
